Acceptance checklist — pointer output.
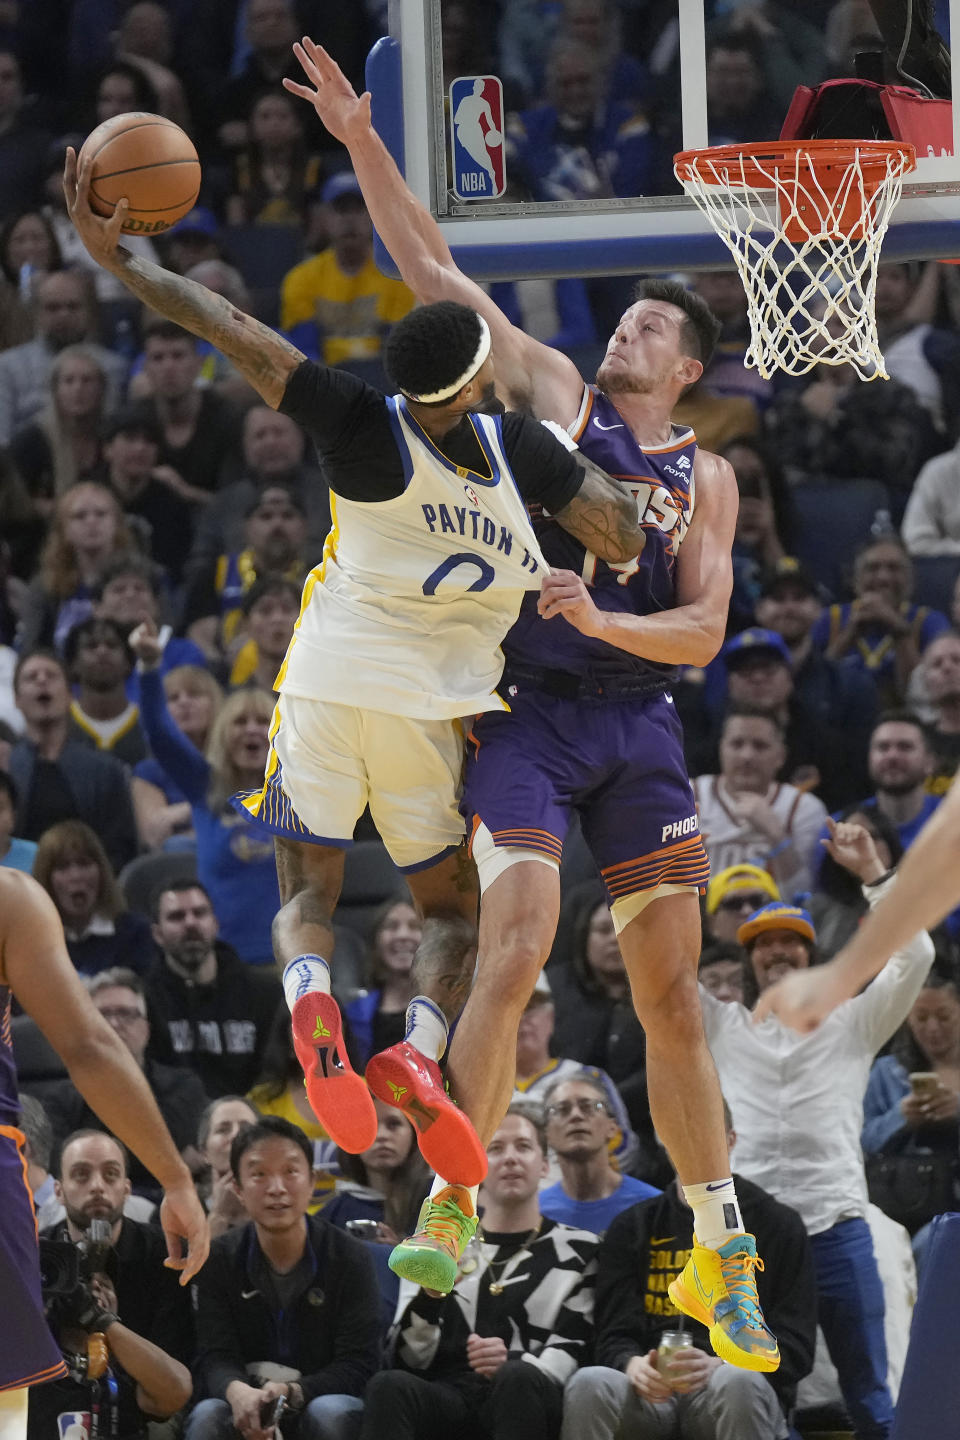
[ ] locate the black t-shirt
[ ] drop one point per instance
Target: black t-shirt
(205, 460)
(171, 524)
(50, 801)
(349, 422)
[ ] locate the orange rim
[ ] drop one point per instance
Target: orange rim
(750, 165)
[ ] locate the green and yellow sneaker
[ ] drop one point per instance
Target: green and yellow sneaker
(717, 1287)
(429, 1257)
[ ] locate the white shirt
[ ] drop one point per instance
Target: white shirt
(797, 1100)
(732, 841)
(415, 594)
(931, 521)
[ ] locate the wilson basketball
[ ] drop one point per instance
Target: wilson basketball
(149, 162)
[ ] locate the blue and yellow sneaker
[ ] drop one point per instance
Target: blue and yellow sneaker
(429, 1257)
(717, 1287)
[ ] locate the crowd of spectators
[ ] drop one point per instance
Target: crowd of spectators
(157, 523)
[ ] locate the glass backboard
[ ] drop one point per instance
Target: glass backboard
(540, 133)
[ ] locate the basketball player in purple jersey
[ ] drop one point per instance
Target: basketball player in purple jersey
(36, 969)
(592, 725)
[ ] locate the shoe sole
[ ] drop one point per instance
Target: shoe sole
(723, 1346)
(430, 1269)
(338, 1096)
(447, 1140)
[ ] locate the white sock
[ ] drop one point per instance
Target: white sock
(716, 1213)
(426, 1027)
(440, 1184)
(307, 975)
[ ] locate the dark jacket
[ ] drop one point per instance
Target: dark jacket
(330, 1332)
(130, 945)
(218, 1030)
(648, 1245)
(100, 790)
(180, 1099)
(150, 1299)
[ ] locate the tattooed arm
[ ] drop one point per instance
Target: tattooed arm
(603, 516)
(262, 356)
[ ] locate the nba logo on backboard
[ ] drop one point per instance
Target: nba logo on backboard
(476, 129)
(74, 1424)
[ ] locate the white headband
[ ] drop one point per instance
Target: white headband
(448, 391)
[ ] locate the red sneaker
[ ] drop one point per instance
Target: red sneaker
(404, 1077)
(338, 1095)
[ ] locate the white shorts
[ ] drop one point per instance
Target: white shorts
(327, 762)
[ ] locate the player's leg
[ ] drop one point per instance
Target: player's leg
(518, 918)
(518, 922)
(407, 1075)
(660, 948)
(642, 830)
(520, 890)
(415, 769)
(314, 792)
(310, 877)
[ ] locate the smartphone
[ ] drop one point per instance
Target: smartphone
(270, 1412)
(924, 1083)
(364, 1229)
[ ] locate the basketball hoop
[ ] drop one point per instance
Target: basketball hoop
(804, 221)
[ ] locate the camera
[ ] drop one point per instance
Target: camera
(66, 1270)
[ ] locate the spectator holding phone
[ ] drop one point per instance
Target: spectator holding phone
(912, 1104)
(287, 1306)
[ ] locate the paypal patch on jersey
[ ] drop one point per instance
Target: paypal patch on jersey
(476, 135)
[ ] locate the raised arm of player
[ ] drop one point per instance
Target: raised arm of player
(692, 632)
(927, 888)
(529, 375)
(35, 964)
(261, 355)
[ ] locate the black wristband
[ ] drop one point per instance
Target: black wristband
(871, 884)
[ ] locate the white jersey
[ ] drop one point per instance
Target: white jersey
(407, 611)
(732, 841)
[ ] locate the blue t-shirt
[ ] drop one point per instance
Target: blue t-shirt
(593, 1215)
(910, 829)
(20, 856)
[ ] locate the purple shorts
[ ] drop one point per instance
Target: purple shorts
(29, 1354)
(618, 763)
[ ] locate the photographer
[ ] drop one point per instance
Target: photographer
(117, 1380)
(92, 1184)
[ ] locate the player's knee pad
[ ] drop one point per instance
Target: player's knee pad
(492, 860)
(630, 906)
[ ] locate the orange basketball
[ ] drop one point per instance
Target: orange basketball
(148, 161)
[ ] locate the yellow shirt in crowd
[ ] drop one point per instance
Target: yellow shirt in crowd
(352, 311)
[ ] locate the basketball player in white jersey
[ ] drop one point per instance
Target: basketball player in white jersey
(592, 724)
(399, 637)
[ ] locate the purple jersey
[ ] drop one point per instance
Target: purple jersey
(9, 1103)
(662, 481)
(29, 1354)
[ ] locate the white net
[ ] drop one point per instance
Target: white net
(805, 233)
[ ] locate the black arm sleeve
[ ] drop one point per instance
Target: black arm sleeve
(347, 420)
(545, 472)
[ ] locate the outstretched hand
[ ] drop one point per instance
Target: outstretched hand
(344, 113)
(144, 641)
(182, 1218)
(100, 236)
(852, 846)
